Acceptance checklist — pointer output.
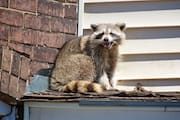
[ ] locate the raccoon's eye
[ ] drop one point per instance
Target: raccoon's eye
(99, 36)
(112, 34)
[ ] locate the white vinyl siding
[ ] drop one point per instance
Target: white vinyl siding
(151, 53)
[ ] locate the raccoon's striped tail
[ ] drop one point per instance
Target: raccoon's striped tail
(80, 86)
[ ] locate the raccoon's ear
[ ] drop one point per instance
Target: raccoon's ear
(122, 26)
(94, 27)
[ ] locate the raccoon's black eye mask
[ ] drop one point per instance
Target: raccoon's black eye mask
(99, 36)
(113, 34)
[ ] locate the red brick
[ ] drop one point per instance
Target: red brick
(25, 5)
(0, 61)
(3, 42)
(44, 54)
(37, 22)
(6, 59)
(35, 66)
(21, 88)
(69, 37)
(16, 34)
(3, 3)
(4, 82)
(25, 68)
(52, 8)
(57, 24)
(26, 36)
(11, 17)
(25, 49)
(30, 37)
(55, 40)
(70, 11)
(15, 64)
(4, 32)
(70, 26)
(13, 86)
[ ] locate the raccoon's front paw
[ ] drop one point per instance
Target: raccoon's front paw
(111, 88)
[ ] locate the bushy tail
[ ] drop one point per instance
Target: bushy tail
(79, 86)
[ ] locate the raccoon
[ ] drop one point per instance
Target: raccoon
(87, 64)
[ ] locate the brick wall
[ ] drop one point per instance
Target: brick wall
(31, 34)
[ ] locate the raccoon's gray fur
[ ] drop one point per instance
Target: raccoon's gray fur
(91, 58)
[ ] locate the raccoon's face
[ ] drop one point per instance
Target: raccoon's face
(108, 35)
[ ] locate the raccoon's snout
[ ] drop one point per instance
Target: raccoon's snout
(106, 39)
(107, 43)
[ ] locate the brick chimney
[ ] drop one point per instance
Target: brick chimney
(31, 34)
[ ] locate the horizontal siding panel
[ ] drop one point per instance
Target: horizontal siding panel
(159, 85)
(150, 57)
(148, 70)
(148, 33)
(151, 46)
(151, 82)
(151, 88)
(102, 1)
(133, 6)
(153, 32)
(136, 19)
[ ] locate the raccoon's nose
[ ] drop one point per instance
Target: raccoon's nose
(106, 40)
